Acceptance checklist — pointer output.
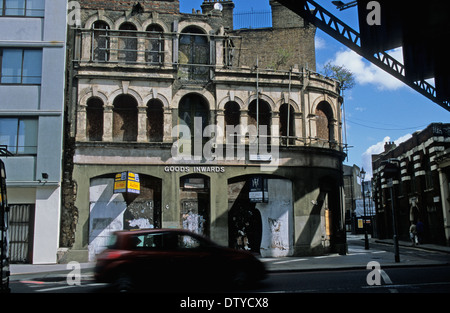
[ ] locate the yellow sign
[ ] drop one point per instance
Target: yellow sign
(127, 182)
(360, 223)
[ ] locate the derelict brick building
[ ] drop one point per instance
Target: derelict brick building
(154, 92)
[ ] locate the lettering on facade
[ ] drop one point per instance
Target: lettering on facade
(194, 169)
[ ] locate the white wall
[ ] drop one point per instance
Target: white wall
(46, 225)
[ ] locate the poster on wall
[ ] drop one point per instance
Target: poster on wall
(258, 190)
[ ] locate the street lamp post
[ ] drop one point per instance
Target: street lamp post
(390, 171)
(394, 226)
(366, 238)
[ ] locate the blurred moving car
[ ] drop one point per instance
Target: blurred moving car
(174, 257)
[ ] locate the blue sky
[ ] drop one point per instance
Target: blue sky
(379, 108)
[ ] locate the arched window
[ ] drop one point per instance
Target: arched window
(94, 119)
(125, 118)
(263, 120)
(193, 112)
(324, 122)
(155, 121)
(100, 41)
(127, 43)
(232, 119)
(193, 54)
(287, 123)
(155, 45)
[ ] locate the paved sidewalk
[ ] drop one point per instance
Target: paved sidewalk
(356, 258)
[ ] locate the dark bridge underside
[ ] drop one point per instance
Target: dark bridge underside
(421, 28)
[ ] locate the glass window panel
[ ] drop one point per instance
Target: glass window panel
(1, 7)
(32, 66)
(15, 7)
(8, 133)
(11, 66)
(35, 8)
(27, 141)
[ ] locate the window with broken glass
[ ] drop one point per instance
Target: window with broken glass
(154, 53)
(100, 42)
(193, 55)
(128, 43)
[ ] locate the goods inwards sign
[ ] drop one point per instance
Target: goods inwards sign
(127, 182)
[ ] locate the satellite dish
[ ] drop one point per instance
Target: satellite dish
(218, 6)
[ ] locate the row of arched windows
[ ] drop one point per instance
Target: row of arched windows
(125, 118)
(127, 43)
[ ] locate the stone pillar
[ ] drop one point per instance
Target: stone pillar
(219, 209)
(114, 45)
(244, 125)
(108, 123)
(220, 135)
(275, 129)
(298, 129)
(86, 46)
(141, 42)
(167, 136)
(81, 123)
(142, 124)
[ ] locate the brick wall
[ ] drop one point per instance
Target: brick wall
(283, 17)
(277, 49)
(163, 6)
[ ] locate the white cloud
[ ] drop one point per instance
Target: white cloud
(377, 149)
(367, 73)
(320, 43)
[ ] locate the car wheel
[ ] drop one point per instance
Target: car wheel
(124, 283)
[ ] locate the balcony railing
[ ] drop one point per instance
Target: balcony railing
(252, 19)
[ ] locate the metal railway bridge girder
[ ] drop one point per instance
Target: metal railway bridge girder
(416, 28)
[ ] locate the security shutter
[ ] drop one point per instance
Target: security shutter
(20, 225)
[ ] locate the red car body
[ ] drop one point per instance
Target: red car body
(173, 257)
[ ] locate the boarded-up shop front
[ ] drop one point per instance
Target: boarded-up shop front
(195, 204)
(111, 211)
(261, 220)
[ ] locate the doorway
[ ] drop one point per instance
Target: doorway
(195, 204)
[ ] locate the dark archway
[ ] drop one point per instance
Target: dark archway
(324, 122)
(193, 113)
(94, 119)
(155, 120)
(125, 118)
(195, 207)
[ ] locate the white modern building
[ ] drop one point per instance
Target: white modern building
(32, 83)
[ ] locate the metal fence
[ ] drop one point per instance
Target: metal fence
(252, 19)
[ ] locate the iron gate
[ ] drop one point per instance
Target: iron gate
(20, 236)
